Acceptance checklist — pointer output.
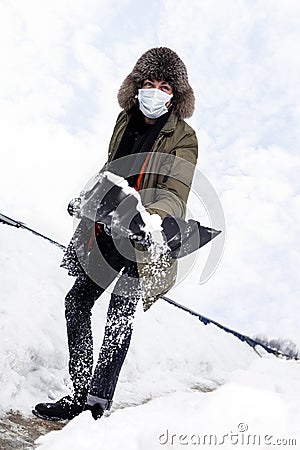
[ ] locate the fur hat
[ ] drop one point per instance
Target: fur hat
(159, 63)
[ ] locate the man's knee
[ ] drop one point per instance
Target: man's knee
(122, 308)
(82, 296)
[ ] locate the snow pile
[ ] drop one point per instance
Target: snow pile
(257, 407)
(181, 378)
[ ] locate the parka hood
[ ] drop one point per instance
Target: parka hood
(160, 63)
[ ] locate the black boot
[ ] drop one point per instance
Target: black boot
(64, 409)
(96, 410)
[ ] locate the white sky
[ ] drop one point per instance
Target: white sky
(62, 63)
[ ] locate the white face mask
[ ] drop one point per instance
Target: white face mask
(152, 102)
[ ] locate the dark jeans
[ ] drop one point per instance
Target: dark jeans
(118, 330)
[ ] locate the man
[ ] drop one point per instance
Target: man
(162, 151)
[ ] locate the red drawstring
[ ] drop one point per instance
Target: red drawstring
(139, 178)
(97, 230)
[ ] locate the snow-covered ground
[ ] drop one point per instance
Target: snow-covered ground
(62, 66)
(181, 378)
(256, 408)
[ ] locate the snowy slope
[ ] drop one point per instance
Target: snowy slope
(257, 407)
(179, 376)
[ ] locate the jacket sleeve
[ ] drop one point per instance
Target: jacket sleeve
(175, 178)
(118, 128)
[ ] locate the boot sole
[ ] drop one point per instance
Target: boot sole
(44, 417)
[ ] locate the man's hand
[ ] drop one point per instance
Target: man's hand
(127, 220)
(115, 207)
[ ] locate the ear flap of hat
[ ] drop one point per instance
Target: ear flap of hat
(184, 103)
(127, 93)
